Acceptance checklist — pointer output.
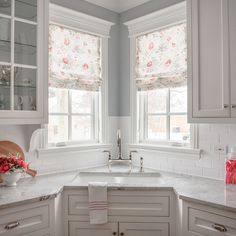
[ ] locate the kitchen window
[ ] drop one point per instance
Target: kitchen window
(161, 82)
(75, 80)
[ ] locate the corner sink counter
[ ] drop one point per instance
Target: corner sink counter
(194, 189)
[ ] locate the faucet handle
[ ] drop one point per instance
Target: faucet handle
(130, 153)
(109, 153)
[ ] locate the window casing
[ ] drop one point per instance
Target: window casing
(162, 96)
(75, 111)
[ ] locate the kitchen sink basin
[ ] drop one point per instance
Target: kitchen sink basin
(118, 176)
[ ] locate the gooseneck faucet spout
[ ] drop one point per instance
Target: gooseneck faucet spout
(119, 144)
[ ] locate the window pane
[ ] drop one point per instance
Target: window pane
(58, 100)
(81, 127)
(178, 99)
(58, 128)
(81, 101)
(157, 127)
(157, 100)
(179, 128)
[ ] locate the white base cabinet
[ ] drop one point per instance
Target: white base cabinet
(202, 220)
(130, 212)
(144, 229)
(35, 219)
(78, 228)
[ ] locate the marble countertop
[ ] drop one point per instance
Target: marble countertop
(195, 189)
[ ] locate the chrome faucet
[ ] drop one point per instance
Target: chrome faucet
(141, 165)
(119, 145)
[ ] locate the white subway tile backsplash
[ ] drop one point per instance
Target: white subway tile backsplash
(211, 164)
(211, 173)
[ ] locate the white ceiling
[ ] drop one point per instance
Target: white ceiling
(118, 5)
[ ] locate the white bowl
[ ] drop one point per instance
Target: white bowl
(10, 179)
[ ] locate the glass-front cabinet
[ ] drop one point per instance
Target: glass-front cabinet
(23, 61)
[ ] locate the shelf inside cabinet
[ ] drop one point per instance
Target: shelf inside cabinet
(17, 86)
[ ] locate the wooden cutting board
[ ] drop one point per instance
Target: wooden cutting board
(8, 147)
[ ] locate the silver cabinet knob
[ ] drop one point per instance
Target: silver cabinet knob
(226, 106)
(233, 105)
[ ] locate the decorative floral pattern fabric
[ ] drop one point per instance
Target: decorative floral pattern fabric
(74, 59)
(161, 58)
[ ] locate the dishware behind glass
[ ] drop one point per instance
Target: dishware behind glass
(19, 102)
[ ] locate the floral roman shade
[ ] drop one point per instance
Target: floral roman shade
(161, 58)
(74, 59)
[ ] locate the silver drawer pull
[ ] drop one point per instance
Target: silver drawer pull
(219, 227)
(12, 225)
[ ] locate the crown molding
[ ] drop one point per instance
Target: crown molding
(74, 19)
(157, 20)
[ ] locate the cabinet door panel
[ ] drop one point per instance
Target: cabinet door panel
(141, 229)
(85, 229)
(232, 27)
(202, 223)
(210, 58)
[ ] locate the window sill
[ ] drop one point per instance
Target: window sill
(71, 149)
(194, 153)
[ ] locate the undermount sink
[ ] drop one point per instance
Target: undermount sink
(118, 175)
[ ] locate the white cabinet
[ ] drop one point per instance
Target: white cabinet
(201, 220)
(23, 61)
(211, 56)
(85, 229)
(77, 228)
(144, 229)
(29, 220)
(130, 213)
(232, 40)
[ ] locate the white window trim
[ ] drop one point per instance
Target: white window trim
(149, 23)
(87, 24)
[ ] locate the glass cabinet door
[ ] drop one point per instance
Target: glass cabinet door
(5, 55)
(25, 55)
(18, 55)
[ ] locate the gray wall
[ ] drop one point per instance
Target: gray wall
(113, 46)
(149, 7)
(119, 56)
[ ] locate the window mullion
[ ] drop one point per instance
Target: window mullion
(168, 115)
(145, 116)
(69, 115)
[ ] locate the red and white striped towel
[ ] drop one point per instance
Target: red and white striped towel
(98, 205)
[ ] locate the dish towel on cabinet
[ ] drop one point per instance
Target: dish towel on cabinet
(98, 205)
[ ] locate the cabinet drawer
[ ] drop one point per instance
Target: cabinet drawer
(22, 222)
(77, 228)
(124, 203)
(203, 222)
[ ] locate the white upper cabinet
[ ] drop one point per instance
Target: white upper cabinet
(23, 61)
(211, 51)
(232, 40)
